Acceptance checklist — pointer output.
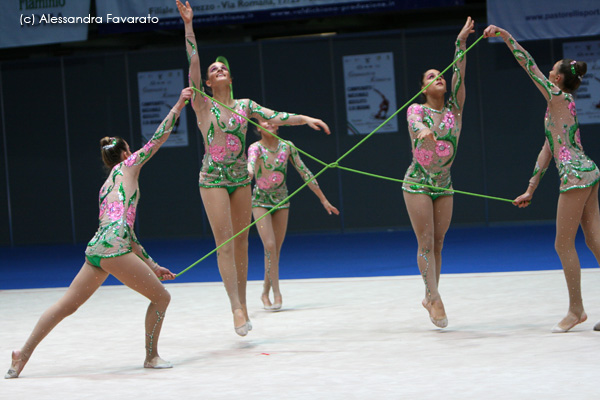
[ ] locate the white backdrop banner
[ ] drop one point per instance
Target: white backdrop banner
(159, 91)
(545, 19)
(588, 94)
(370, 92)
(35, 22)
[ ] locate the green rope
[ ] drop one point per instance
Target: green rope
(408, 102)
(423, 185)
(260, 127)
(336, 163)
(272, 210)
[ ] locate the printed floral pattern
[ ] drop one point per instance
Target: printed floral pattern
(130, 160)
(217, 153)
(423, 156)
(442, 149)
(277, 178)
(415, 109)
(564, 155)
(572, 108)
(238, 118)
(131, 216)
(448, 120)
(233, 143)
(115, 210)
(282, 157)
(263, 183)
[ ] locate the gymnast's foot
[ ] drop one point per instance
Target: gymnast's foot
(248, 322)
(240, 322)
(569, 322)
(157, 363)
(278, 302)
(597, 326)
(266, 301)
(16, 366)
(437, 313)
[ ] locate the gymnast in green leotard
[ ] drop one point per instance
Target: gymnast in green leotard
(114, 249)
(267, 163)
(434, 129)
(224, 181)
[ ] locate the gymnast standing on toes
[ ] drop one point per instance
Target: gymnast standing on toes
(115, 248)
(224, 180)
(267, 163)
(434, 129)
(579, 176)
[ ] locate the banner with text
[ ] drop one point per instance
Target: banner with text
(534, 20)
(370, 92)
(588, 95)
(159, 91)
(219, 12)
(36, 22)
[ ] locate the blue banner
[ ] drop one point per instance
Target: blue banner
(221, 12)
(547, 19)
(34, 22)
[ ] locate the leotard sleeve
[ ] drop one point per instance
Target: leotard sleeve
(541, 165)
(528, 63)
(301, 167)
(161, 135)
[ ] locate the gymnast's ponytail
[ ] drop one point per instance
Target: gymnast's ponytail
(111, 149)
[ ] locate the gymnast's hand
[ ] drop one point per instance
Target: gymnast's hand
(493, 31)
(329, 208)
(316, 124)
(187, 14)
(523, 200)
(466, 30)
(164, 274)
(426, 133)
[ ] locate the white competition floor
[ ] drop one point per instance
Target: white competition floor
(345, 338)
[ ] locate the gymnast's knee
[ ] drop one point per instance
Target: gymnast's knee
(63, 310)
(593, 243)
(564, 247)
(270, 247)
(163, 298)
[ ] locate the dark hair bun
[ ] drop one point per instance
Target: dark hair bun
(581, 68)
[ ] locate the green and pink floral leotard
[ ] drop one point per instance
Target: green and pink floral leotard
(270, 171)
(563, 142)
(432, 159)
(224, 164)
(118, 201)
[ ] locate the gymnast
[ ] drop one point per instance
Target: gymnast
(434, 129)
(224, 180)
(115, 249)
(579, 175)
(267, 163)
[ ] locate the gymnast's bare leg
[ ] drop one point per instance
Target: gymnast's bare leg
(272, 230)
(218, 206)
(134, 273)
(241, 216)
(570, 210)
(85, 283)
(590, 224)
(130, 270)
(430, 220)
